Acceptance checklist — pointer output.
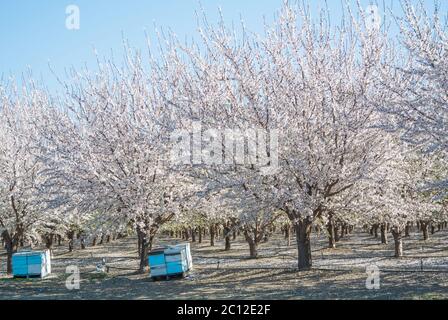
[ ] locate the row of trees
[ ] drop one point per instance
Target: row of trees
(356, 118)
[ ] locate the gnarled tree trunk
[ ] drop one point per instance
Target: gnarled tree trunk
(253, 245)
(424, 228)
(375, 230)
(70, 236)
(227, 237)
(336, 233)
(200, 235)
(94, 241)
(383, 229)
(331, 233)
(11, 246)
(49, 241)
(143, 249)
(407, 230)
(398, 241)
(303, 235)
(146, 240)
(212, 236)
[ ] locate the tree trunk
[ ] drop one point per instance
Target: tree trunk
(217, 232)
(151, 243)
(336, 233)
(253, 250)
(144, 251)
(146, 238)
(49, 242)
(344, 230)
(396, 232)
(384, 233)
(375, 230)
(11, 248)
(407, 230)
(83, 243)
(424, 228)
(193, 235)
(303, 235)
(70, 236)
(59, 240)
(331, 232)
(234, 235)
(9, 254)
(253, 246)
(94, 241)
(227, 238)
(200, 235)
(228, 244)
(212, 236)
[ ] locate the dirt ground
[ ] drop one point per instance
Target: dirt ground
(338, 273)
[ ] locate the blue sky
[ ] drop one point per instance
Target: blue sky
(33, 32)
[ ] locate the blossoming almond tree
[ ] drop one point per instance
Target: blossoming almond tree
(419, 81)
(311, 83)
(21, 210)
(398, 196)
(109, 151)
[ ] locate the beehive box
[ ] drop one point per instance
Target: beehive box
(185, 249)
(31, 264)
(171, 261)
(157, 263)
(176, 261)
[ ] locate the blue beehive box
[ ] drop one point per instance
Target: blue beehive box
(157, 263)
(171, 261)
(31, 264)
(176, 261)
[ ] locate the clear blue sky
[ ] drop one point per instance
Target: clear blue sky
(33, 32)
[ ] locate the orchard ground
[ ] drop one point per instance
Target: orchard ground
(338, 273)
